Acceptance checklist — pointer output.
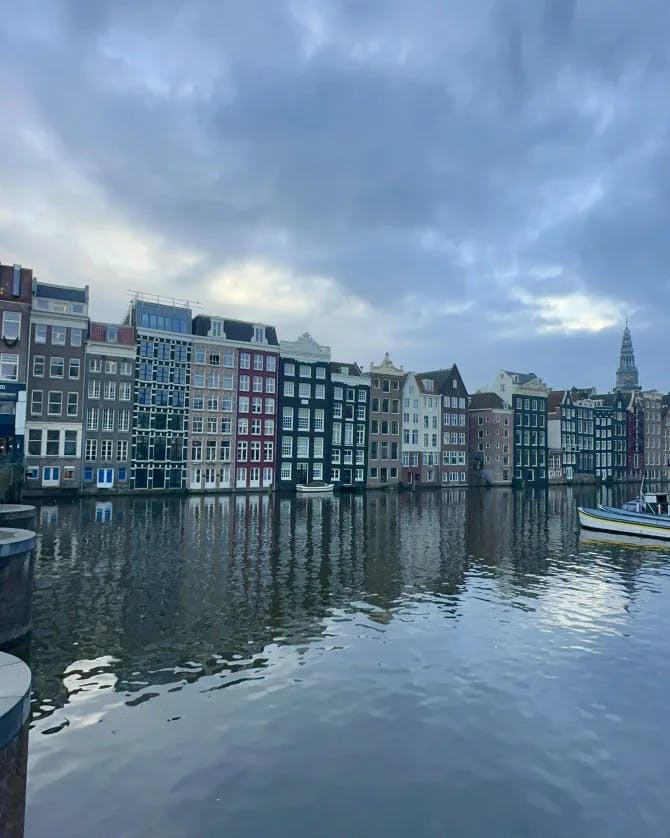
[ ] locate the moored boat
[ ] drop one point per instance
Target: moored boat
(644, 517)
(314, 488)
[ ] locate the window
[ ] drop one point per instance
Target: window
(289, 369)
(196, 451)
(53, 443)
(110, 367)
(36, 402)
(109, 390)
(317, 471)
(92, 418)
(289, 389)
(124, 420)
(242, 450)
(245, 360)
(285, 473)
(91, 450)
(242, 426)
(318, 420)
(319, 391)
(107, 419)
(305, 371)
(269, 427)
(212, 402)
(72, 404)
(11, 325)
(58, 335)
(338, 393)
(335, 455)
(302, 449)
(55, 404)
(214, 359)
(337, 433)
(75, 337)
(258, 384)
(304, 390)
(210, 452)
(212, 424)
(106, 450)
(303, 419)
(360, 435)
(255, 451)
(126, 368)
(35, 442)
(243, 404)
(269, 405)
(225, 450)
(70, 444)
(258, 362)
(40, 333)
(38, 366)
(270, 363)
(33, 473)
(287, 446)
(318, 448)
(197, 424)
(73, 368)
(244, 382)
(123, 473)
(335, 474)
(360, 411)
(256, 405)
(268, 451)
(360, 474)
(56, 367)
(125, 391)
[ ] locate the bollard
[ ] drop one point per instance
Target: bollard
(14, 713)
(17, 558)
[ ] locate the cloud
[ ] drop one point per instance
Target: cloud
(476, 183)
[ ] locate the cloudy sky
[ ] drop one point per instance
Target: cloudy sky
(483, 182)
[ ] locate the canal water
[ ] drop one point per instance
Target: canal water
(453, 662)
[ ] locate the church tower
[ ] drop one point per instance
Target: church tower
(626, 375)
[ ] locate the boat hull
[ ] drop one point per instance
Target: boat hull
(327, 489)
(606, 521)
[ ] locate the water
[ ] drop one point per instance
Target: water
(450, 663)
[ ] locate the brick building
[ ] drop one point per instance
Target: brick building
(386, 383)
(15, 299)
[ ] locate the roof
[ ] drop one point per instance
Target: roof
(555, 399)
(486, 401)
(61, 292)
(522, 377)
(238, 330)
(442, 377)
(350, 369)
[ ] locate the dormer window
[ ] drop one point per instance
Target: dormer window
(428, 384)
(217, 329)
(112, 334)
(259, 334)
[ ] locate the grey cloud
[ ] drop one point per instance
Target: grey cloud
(334, 138)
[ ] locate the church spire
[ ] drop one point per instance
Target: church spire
(626, 375)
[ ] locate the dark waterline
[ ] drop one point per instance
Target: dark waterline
(455, 662)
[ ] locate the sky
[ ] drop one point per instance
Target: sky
(486, 183)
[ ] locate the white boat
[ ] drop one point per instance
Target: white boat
(314, 488)
(644, 517)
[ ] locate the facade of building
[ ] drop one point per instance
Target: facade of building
(15, 298)
(627, 378)
(654, 460)
(386, 383)
(306, 411)
(257, 399)
(421, 431)
(348, 428)
(161, 394)
(527, 395)
(54, 424)
(448, 384)
(109, 371)
(635, 452)
(490, 438)
(233, 405)
(665, 433)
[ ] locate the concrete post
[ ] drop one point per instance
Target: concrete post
(14, 713)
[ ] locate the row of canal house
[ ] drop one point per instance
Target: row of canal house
(166, 401)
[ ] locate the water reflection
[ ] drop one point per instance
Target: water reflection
(145, 593)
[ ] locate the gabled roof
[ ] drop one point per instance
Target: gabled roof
(443, 378)
(486, 401)
(555, 399)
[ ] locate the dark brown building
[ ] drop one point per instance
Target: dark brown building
(15, 297)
